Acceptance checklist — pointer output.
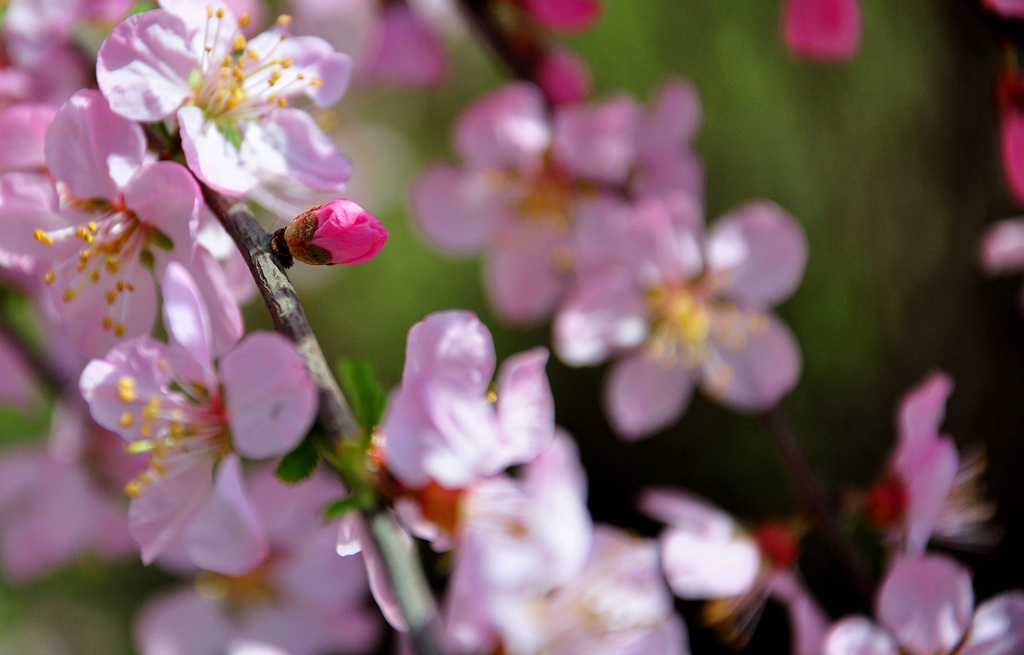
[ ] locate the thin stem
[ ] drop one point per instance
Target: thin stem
(335, 415)
(520, 57)
(821, 501)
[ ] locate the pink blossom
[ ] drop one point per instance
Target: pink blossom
(336, 232)
(928, 492)
(926, 606)
(1002, 249)
(405, 49)
(564, 15)
(22, 132)
(822, 29)
(676, 307)
(1008, 8)
(113, 215)
(301, 598)
(17, 383)
(170, 401)
(228, 94)
(444, 425)
(563, 76)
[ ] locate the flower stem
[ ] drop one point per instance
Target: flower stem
(335, 415)
(821, 501)
(519, 56)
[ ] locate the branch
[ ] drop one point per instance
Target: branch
(520, 57)
(335, 415)
(820, 499)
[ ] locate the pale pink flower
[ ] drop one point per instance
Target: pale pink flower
(563, 76)
(112, 216)
(404, 49)
(301, 598)
(229, 95)
(22, 133)
(677, 308)
(1011, 110)
(519, 540)
(822, 29)
(192, 417)
(336, 232)
(563, 15)
(1008, 8)
(444, 425)
(928, 492)
(1002, 248)
(17, 383)
(926, 606)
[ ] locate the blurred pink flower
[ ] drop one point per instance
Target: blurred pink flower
(112, 216)
(676, 307)
(822, 29)
(563, 15)
(22, 136)
(925, 606)
(336, 232)
(563, 76)
(444, 425)
(404, 49)
(301, 597)
(170, 401)
(17, 382)
(1002, 249)
(1008, 8)
(228, 94)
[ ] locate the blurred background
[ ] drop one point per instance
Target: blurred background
(890, 161)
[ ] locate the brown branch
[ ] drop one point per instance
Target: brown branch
(821, 502)
(521, 57)
(335, 415)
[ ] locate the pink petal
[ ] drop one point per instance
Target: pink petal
(91, 149)
(181, 622)
(857, 635)
(456, 210)
(211, 157)
(22, 131)
(225, 535)
(144, 65)
(186, 319)
(666, 170)
(144, 360)
(687, 511)
(313, 58)
(164, 195)
(643, 396)
(563, 76)
(526, 408)
(1002, 247)
(919, 417)
(674, 118)
(289, 144)
(807, 620)
(597, 142)
(822, 29)
(1012, 134)
(998, 626)
(268, 395)
(761, 252)
(1008, 8)
(505, 129)
(221, 303)
(524, 279)
(605, 313)
(929, 481)
(927, 603)
(565, 15)
(699, 568)
(17, 382)
(757, 372)
(452, 347)
(406, 51)
(159, 514)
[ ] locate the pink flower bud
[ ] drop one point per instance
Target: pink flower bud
(564, 15)
(563, 76)
(336, 232)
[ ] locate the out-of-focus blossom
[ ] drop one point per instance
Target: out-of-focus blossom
(336, 232)
(1008, 8)
(229, 96)
(17, 384)
(563, 15)
(678, 307)
(822, 29)
(517, 197)
(444, 424)
(1011, 110)
(192, 418)
(926, 606)
(928, 492)
(563, 76)
(301, 599)
(707, 555)
(519, 540)
(1002, 248)
(22, 136)
(405, 49)
(113, 216)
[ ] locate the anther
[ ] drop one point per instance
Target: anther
(107, 322)
(111, 297)
(284, 19)
(119, 330)
(126, 420)
(126, 389)
(243, 20)
(69, 294)
(239, 42)
(50, 276)
(286, 62)
(43, 238)
(220, 13)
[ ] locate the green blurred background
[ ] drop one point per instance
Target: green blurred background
(890, 162)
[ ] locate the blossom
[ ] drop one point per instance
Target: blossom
(111, 218)
(229, 96)
(1008, 8)
(404, 49)
(444, 425)
(17, 384)
(336, 232)
(563, 15)
(301, 597)
(822, 29)
(677, 307)
(926, 605)
(563, 76)
(192, 418)
(928, 492)
(22, 133)
(1002, 249)
(526, 174)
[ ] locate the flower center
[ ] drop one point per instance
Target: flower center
(238, 592)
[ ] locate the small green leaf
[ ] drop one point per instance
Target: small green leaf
(340, 508)
(231, 133)
(162, 241)
(299, 464)
(364, 392)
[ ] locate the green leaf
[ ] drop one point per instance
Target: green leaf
(162, 241)
(364, 392)
(299, 464)
(352, 503)
(231, 133)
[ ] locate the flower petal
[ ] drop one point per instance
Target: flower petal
(289, 144)
(643, 396)
(605, 313)
(597, 142)
(697, 567)
(1002, 247)
(269, 398)
(998, 626)
(754, 375)
(857, 635)
(451, 347)
(187, 321)
(165, 196)
(526, 408)
(214, 159)
(822, 29)
(159, 514)
(456, 210)
(505, 129)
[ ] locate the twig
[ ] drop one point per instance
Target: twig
(335, 415)
(821, 501)
(520, 58)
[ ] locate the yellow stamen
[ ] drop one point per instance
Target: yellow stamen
(286, 62)
(43, 238)
(209, 11)
(69, 294)
(111, 297)
(243, 20)
(252, 54)
(92, 226)
(284, 19)
(281, 102)
(113, 265)
(152, 408)
(50, 276)
(239, 42)
(132, 489)
(126, 420)
(316, 81)
(107, 322)
(126, 389)
(146, 430)
(95, 276)
(119, 330)
(220, 13)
